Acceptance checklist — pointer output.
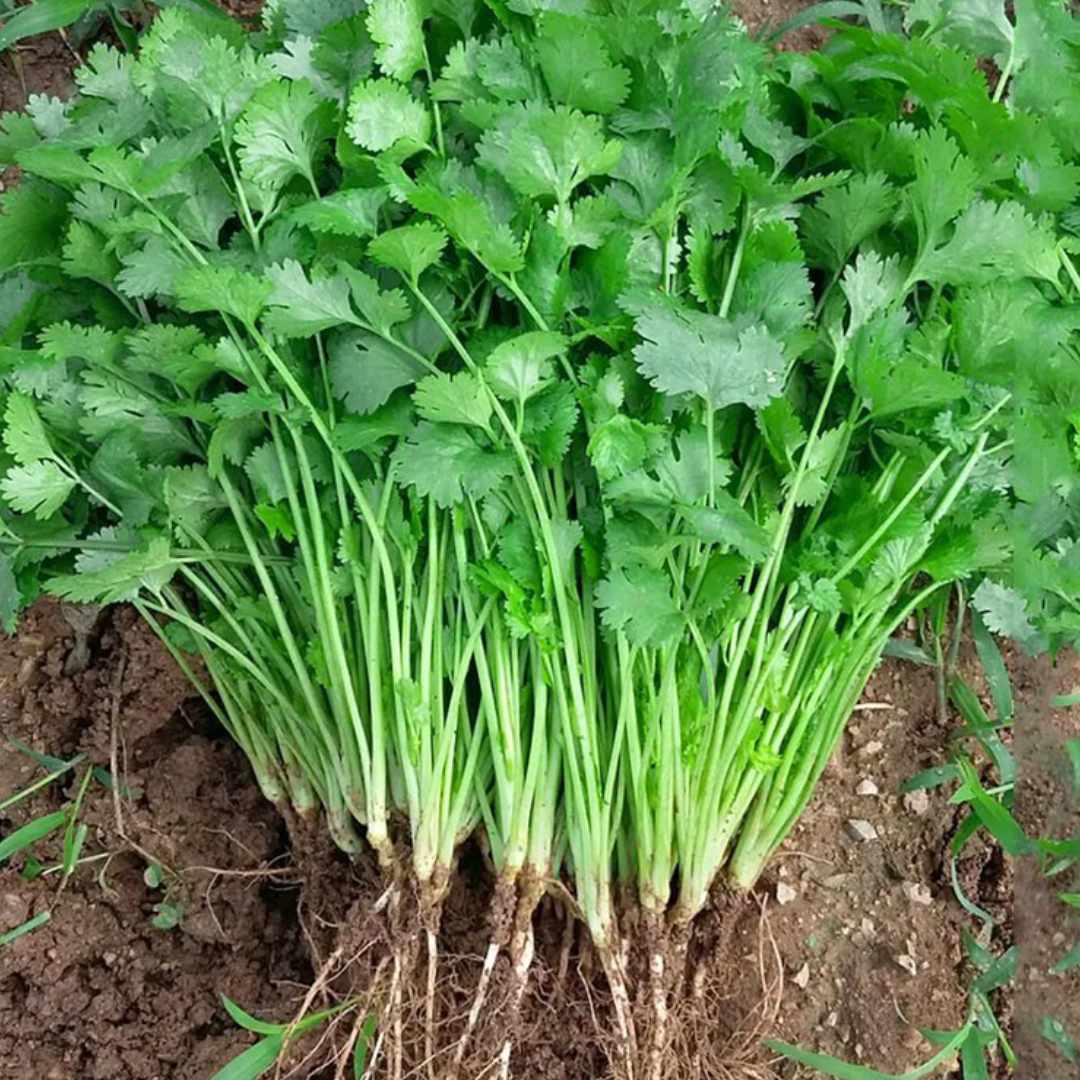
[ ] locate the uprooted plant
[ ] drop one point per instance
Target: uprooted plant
(531, 424)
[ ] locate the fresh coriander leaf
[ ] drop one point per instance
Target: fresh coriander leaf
(381, 309)
(279, 133)
(223, 289)
(1005, 611)
(396, 27)
(354, 212)
(688, 352)
(410, 249)
(41, 488)
(453, 399)
(577, 66)
(445, 463)
(637, 601)
(383, 114)
(547, 152)
(25, 437)
(365, 370)
(302, 308)
(520, 368)
(842, 218)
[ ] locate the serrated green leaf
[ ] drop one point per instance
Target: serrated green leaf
(40, 488)
(453, 399)
(396, 27)
(302, 308)
(383, 114)
(688, 352)
(410, 249)
(577, 67)
(279, 132)
(365, 370)
(445, 463)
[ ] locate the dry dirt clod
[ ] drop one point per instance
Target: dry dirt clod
(874, 746)
(917, 802)
(785, 893)
(908, 964)
(801, 978)
(867, 787)
(918, 893)
(861, 830)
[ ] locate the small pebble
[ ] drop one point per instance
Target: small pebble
(867, 787)
(832, 1019)
(860, 829)
(918, 893)
(867, 926)
(918, 802)
(908, 964)
(801, 978)
(13, 911)
(785, 893)
(872, 747)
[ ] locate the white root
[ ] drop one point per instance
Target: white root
(432, 968)
(397, 1047)
(478, 1004)
(620, 999)
(660, 1015)
(521, 979)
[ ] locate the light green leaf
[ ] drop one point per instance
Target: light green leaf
(544, 152)
(382, 114)
(396, 27)
(689, 352)
(302, 308)
(223, 289)
(577, 66)
(40, 488)
(410, 249)
(453, 399)
(354, 212)
(637, 601)
(365, 370)
(25, 437)
(445, 463)
(279, 133)
(520, 368)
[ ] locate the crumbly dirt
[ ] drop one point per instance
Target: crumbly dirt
(1047, 805)
(98, 993)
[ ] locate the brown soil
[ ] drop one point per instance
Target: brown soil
(99, 992)
(1047, 805)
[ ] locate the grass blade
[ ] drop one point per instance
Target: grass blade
(41, 17)
(244, 1019)
(254, 1061)
(931, 778)
(1072, 748)
(816, 13)
(362, 1045)
(1069, 961)
(997, 675)
(26, 928)
(1053, 1031)
(844, 1070)
(31, 833)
